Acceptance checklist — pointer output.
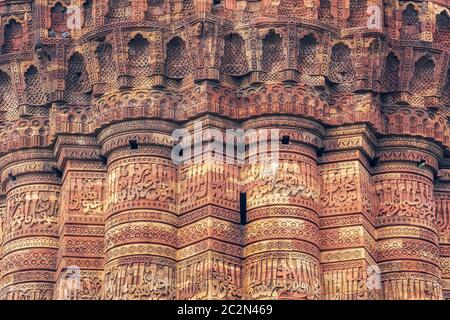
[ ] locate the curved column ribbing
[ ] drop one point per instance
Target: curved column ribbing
(282, 233)
(30, 231)
(81, 224)
(210, 235)
(407, 247)
(140, 227)
(348, 209)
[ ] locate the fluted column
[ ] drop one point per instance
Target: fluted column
(2, 227)
(282, 232)
(407, 247)
(140, 227)
(210, 234)
(81, 233)
(30, 239)
(348, 210)
(442, 199)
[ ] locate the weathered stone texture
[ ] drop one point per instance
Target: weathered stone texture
(360, 87)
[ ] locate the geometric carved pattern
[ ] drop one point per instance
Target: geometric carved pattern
(446, 90)
(292, 8)
(325, 10)
(410, 21)
(8, 102)
(88, 184)
(423, 82)
(178, 62)
(307, 54)
(410, 16)
(341, 66)
(138, 55)
(273, 58)
(118, 8)
(12, 37)
(358, 16)
(106, 63)
(374, 61)
(234, 60)
(154, 3)
(155, 7)
(391, 74)
(33, 87)
(87, 7)
(77, 80)
(58, 18)
(443, 22)
(188, 7)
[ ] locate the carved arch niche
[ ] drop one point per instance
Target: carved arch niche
(410, 19)
(13, 37)
(106, 64)
(77, 82)
(88, 11)
(391, 73)
(188, 7)
(341, 65)
(118, 9)
(8, 101)
(325, 14)
(374, 62)
(443, 27)
(446, 90)
(358, 14)
(423, 79)
(308, 47)
(178, 63)
(34, 89)
(234, 60)
(58, 20)
(138, 58)
(273, 57)
(156, 8)
(443, 22)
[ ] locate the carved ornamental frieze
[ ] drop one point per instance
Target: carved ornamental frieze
(226, 149)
